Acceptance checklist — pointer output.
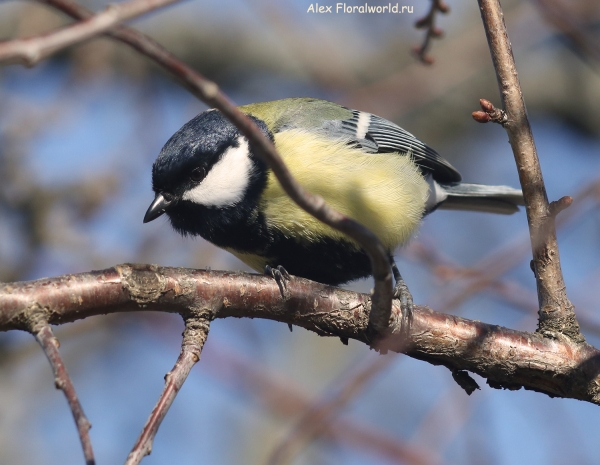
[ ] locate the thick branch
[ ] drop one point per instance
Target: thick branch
(555, 309)
(507, 358)
(32, 50)
(209, 93)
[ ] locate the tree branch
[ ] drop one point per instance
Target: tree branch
(507, 358)
(209, 93)
(432, 32)
(556, 315)
(287, 399)
(32, 50)
(43, 334)
(578, 33)
(318, 417)
(194, 337)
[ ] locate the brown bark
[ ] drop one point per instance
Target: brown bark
(556, 312)
(507, 358)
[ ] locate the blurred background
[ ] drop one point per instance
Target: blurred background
(79, 133)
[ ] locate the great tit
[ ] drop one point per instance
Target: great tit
(209, 182)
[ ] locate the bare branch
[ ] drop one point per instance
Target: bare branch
(43, 334)
(507, 358)
(32, 50)
(433, 32)
(562, 18)
(209, 93)
(495, 264)
(194, 337)
(556, 313)
(286, 399)
(557, 206)
(415, 87)
(513, 293)
(319, 416)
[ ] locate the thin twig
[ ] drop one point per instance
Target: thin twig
(509, 291)
(209, 93)
(31, 51)
(556, 314)
(486, 274)
(433, 32)
(317, 417)
(43, 334)
(523, 299)
(323, 412)
(280, 395)
(495, 264)
(285, 399)
(463, 60)
(194, 337)
(578, 33)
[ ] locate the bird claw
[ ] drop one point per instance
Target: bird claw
(402, 294)
(281, 276)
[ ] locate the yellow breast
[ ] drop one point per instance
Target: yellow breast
(385, 192)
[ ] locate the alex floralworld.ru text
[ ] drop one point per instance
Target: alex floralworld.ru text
(366, 8)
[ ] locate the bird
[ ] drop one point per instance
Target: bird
(209, 182)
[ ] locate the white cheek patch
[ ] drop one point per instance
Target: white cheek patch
(226, 182)
(362, 126)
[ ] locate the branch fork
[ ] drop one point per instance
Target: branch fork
(555, 309)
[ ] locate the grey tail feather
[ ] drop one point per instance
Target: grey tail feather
(476, 197)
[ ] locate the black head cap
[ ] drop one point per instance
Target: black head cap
(199, 143)
(190, 154)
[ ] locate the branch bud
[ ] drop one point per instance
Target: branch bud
(437, 32)
(422, 23)
(486, 105)
(481, 117)
(443, 7)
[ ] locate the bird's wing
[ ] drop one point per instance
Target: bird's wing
(378, 135)
(372, 133)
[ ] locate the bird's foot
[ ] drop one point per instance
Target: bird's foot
(281, 276)
(402, 294)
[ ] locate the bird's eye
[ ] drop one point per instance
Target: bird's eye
(198, 174)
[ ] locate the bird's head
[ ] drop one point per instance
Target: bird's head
(206, 166)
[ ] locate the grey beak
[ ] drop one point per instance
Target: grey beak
(157, 208)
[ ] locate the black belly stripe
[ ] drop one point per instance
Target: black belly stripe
(327, 261)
